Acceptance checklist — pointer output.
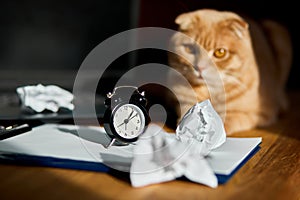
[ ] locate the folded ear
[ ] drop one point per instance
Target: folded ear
(238, 26)
(184, 21)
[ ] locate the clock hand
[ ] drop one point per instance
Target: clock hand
(133, 116)
(121, 124)
(128, 118)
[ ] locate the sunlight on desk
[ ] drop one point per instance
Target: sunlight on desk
(272, 173)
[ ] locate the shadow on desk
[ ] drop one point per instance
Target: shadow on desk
(272, 173)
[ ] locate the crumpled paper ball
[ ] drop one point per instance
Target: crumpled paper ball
(40, 98)
(202, 124)
(160, 156)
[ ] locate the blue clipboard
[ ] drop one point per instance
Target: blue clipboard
(30, 160)
(231, 148)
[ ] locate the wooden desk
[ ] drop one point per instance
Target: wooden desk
(273, 173)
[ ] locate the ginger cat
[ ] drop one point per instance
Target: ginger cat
(253, 61)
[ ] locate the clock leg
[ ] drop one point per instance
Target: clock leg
(111, 143)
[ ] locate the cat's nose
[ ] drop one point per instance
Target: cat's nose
(200, 68)
(201, 65)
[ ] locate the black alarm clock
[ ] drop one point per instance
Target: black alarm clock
(126, 116)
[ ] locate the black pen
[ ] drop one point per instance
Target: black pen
(11, 131)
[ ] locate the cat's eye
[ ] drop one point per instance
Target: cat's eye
(190, 48)
(220, 53)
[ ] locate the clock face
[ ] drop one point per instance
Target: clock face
(129, 121)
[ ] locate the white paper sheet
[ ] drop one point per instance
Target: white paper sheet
(62, 141)
(228, 156)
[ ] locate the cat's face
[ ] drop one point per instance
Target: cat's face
(219, 44)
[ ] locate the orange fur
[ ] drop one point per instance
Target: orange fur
(253, 69)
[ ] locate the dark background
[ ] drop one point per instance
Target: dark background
(46, 41)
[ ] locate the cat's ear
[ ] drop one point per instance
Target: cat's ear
(184, 21)
(238, 26)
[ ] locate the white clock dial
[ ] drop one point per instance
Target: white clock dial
(129, 121)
